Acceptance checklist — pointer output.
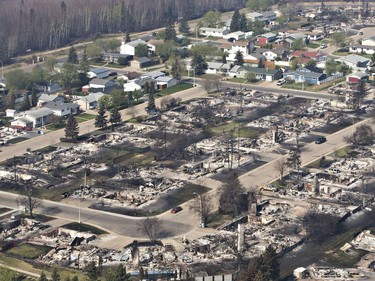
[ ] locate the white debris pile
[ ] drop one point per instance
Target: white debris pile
(324, 273)
(11, 229)
(365, 241)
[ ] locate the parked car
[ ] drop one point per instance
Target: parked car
(323, 46)
(280, 82)
(360, 33)
(177, 209)
(320, 140)
(112, 73)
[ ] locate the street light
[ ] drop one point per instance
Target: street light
(201, 209)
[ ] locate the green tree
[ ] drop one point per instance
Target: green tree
(68, 76)
(43, 277)
(92, 271)
(294, 64)
(250, 77)
(71, 129)
(55, 275)
(101, 118)
(37, 75)
(106, 101)
(373, 58)
(177, 68)
(26, 103)
(199, 64)
(50, 63)
(83, 63)
(311, 63)
(235, 22)
(141, 50)
(17, 79)
(259, 5)
(239, 58)
(114, 117)
(224, 58)
(117, 274)
(170, 32)
(137, 94)
(212, 19)
(331, 66)
(34, 98)
(127, 37)
(146, 88)
(11, 99)
(151, 99)
(340, 39)
(75, 278)
(166, 50)
(72, 56)
(93, 51)
(298, 44)
(184, 27)
(242, 26)
(122, 61)
(205, 50)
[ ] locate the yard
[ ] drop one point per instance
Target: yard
(174, 89)
(84, 117)
(29, 251)
(84, 228)
(235, 127)
(312, 88)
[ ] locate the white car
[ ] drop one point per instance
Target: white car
(323, 46)
(280, 82)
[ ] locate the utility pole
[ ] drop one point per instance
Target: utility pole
(238, 147)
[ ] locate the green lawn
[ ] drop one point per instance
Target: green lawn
(4, 210)
(313, 88)
(84, 228)
(313, 45)
(174, 89)
(29, 251)
(17, 140)
(39, 217)
(227, 128)
(54, 127)
(343, 152)
(237, 80)
(84, 117)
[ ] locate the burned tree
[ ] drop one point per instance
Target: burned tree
(294, 158)
(230, 195)
(202, 206)
(281, 165)
(28, 199)
(319, 226)
(151, 227)
(363, 135)
(358, 96)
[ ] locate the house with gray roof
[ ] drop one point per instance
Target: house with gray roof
(90, 101)
(129, 47)
(101, 85)
(355, 61)
(46, 98)
(309, 75)
(63, 109)
(98, 73)
(38, 117)
(163, 82)
(263, 74)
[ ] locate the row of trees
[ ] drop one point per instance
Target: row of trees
(40, 25)
(101, 118)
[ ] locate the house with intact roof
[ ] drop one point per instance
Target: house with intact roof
(98, 73)
(90, 101)
(309, 75)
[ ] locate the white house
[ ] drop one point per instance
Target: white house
(163, 82)
(242, 46)
(355, 61)
(101, 84)
(365, 49)
(237, 35)
(268, 16)
(37, 118)
(63, 109)
(98, 73)
(214, 32)
(129, 48)
(131, 87)
(11, 112)
(369, 41)
(213, 67)
(90, 101)
(254, 16)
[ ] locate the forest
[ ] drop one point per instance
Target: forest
(47, 24)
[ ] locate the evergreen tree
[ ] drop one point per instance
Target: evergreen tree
(43, 277)
(239, 58)
(184, 27)
(11, 103)
(177, 68)
(127, 37)
(230, 194)
(26, 103)
(55, 275)
(170, 32)
(235, 22)
(34, 98)
(71, 129)
(101, 118)
(118, 274)
(72, 56)
(199, 64)
(92, 271)
(242, 26)
(151, 99)
(270, 265)
(224, 58)
(83, 63)
(115, 117)
(75, 278)
(146, 88)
